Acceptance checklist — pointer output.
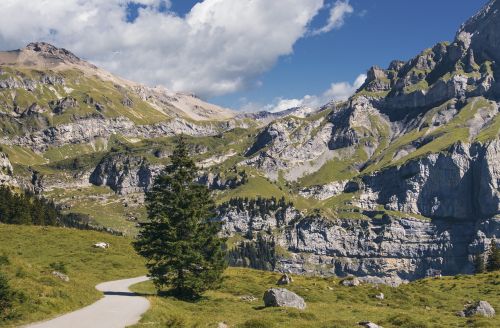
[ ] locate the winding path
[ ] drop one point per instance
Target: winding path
(118, 309)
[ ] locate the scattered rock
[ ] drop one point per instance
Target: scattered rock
(351, 282)
(380, 296)
(248, 298)
(481, 308)
(369, 324)
(102, 245)
(281, 297)
(285, 280)
(61, 276)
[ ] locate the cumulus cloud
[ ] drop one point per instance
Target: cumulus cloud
(338, 12)
(219, 47)
(337, 92)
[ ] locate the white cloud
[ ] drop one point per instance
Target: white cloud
(338, 12)
(219, 47)
(337, 92)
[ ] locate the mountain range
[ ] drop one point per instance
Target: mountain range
(399, 182)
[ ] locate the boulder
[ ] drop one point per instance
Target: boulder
(102, 245)
(481, 308)
(380, 296)
(351, 282)
(281, 297)
(285, 280)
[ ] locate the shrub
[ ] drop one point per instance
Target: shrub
(6, 296)
(58, 266)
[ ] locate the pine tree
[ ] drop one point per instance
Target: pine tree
(493, 263)
(180, 241)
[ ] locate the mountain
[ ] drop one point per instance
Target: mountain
(399, 182)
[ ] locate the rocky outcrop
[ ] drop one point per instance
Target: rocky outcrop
(483, 32)
(6, 171)
(90, 129)
(124, 174)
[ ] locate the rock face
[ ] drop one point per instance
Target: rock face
(281, 297)
(460, 184)
(483, 32)
(124, 174)
(6, 171)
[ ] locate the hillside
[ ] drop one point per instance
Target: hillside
(29, 255)
(401, 180)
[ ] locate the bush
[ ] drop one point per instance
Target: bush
(6, 297)
(404, 321)
(58, 266)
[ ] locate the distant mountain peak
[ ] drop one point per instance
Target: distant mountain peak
(49, 51)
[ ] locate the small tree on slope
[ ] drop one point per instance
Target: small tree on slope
(180, 241)
(493, 263)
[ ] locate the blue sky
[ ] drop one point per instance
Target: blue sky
(241, 54)
(377, 32)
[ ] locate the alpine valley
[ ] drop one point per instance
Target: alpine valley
(399, 182)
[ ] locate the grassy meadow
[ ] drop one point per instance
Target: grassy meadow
(420, 304)
(28, 257)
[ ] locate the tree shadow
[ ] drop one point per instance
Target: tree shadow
(181, 296)
(128, 294)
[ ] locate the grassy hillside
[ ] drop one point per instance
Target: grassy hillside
(421, 304)
(28, 253)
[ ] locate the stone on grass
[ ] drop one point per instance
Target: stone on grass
(101, 244)
(369, 324)
(281, 297)
(61, 276)
(351, 282)
(285, 280)
(380, 296)
(481, 308)
(222, 325)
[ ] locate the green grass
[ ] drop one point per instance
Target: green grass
(421, 304)
(30, 251)
(23, 156)
(106, 208)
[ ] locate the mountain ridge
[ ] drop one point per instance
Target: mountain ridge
(399, 181)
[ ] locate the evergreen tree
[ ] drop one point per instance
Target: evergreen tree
(493, 263)
(180, 241)
(479, 264)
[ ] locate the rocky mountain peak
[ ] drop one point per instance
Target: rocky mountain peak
(483, 31)
(51, 52)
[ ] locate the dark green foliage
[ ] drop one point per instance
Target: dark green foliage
(260, 254)
(180, 239)
(493, 263)
(479, 264)
(26, 208)
(6, 297)
(58, 266)
(256, 323)
(258, 207)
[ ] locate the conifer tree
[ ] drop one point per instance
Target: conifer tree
(493, 263)
(180, 240)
